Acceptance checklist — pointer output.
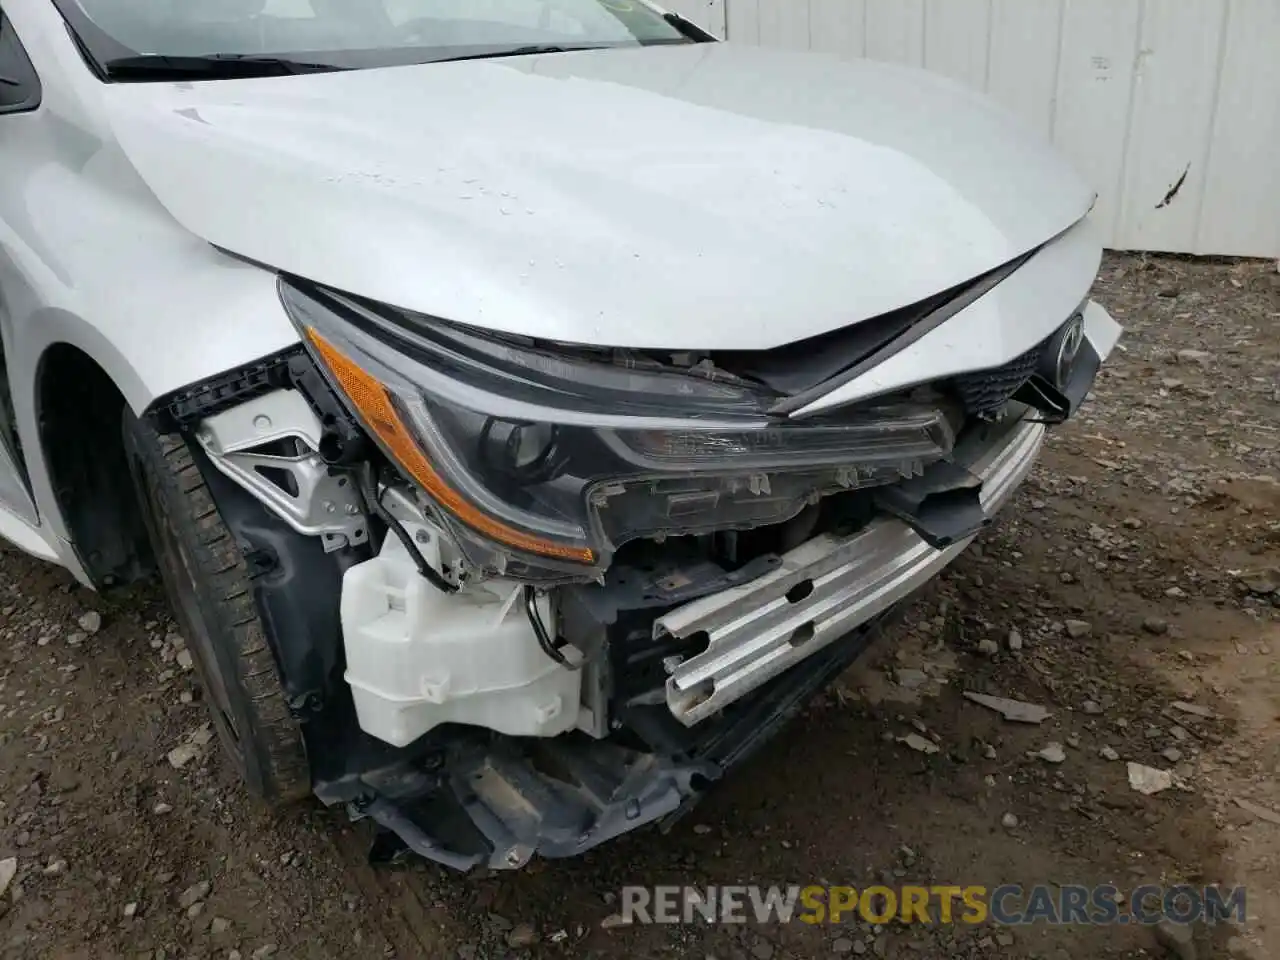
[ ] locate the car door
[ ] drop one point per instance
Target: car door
(19, 94)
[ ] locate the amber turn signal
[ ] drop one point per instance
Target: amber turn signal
(373, 403)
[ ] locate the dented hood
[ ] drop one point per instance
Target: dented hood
(706, 196)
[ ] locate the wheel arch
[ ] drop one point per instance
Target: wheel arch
(77, 407)
(50, 349)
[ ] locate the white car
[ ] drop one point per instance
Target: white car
(528, 403)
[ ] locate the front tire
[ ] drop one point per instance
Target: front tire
(212, 598)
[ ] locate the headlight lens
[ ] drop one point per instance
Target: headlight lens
(397, 422)
(559, 459)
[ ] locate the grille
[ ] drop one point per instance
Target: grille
(985, 392)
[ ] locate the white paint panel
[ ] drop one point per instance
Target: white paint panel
(1133, 91)
(1095, 88)
(1026, 41)
(743, 19)
(1171, 116)
(839, 26)
(957, 39)
(786, 23)
(895, 31)
(1240, 208)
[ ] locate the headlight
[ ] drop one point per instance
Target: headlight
(558, 458)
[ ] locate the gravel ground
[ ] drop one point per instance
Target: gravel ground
(1137, 569)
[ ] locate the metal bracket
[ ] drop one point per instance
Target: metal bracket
(270, 446)
(823, 588)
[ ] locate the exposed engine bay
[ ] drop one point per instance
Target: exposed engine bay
(528, 596)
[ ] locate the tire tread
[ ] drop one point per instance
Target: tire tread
(278, 769)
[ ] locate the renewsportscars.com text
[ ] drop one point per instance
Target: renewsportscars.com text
(1008, 904)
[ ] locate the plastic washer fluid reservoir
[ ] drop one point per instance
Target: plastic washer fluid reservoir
(418, 657)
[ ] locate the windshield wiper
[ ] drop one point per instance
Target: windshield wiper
(689, 29)
(528, 51)
(212, 66)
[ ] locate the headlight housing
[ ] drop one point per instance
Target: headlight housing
(550, 460)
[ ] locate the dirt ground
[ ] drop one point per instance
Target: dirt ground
(1137, 569)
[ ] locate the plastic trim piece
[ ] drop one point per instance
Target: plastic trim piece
(796, 406)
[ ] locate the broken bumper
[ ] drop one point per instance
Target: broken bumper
(728, 671)
(822, 590)
(782, 637)
(498, 804)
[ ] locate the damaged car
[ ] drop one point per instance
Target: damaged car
(529, 405)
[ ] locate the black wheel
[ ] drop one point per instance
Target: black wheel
(208, 586)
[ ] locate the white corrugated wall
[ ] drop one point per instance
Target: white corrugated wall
(1138, 93)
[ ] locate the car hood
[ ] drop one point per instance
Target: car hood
(707, 196)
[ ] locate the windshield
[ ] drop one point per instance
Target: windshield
(359, 33)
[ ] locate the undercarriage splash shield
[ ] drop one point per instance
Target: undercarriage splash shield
(497, 804)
